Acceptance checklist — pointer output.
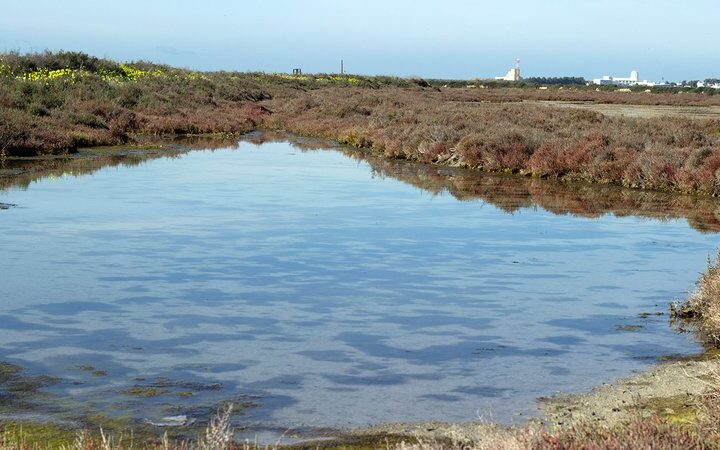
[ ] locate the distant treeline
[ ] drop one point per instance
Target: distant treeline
(525, 82)
(556, 80)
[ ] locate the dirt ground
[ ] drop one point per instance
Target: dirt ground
(637, 111)
(669, 390)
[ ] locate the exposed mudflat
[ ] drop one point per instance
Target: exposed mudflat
(638, 111)
(481, 434)
(670, 390)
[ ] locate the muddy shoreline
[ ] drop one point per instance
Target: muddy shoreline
(668, 390)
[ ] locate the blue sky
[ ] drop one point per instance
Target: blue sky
(441, 39)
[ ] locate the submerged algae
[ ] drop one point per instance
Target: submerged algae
(92, 370)
(145, 391)
(18, 390)
(7, 369)
(37, 435)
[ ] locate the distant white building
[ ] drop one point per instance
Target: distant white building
(513, 74)
(632, 80)
(702, 84)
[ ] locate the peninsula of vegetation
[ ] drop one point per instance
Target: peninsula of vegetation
(57, 102)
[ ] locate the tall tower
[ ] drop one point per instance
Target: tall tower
(517, 70)
(513, 74)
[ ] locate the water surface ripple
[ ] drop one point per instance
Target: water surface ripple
(319, 290)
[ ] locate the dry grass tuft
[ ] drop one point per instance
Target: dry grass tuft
(709, 411)
(218, 434)
(645, 434)
(702, 309)
(637, 433)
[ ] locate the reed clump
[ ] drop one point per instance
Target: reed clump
(701, 311)
(669, 154)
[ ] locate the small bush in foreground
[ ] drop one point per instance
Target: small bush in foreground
(645, 434)
(702, 309)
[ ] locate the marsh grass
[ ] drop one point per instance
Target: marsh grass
(59, 102)
(647, 434)
(701, 311)
(669, 154)
(640, 433)
(218, 435)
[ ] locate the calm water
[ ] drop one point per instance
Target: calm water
(319, 293)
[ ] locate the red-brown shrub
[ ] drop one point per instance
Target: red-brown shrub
(657, 167)
(494, 151)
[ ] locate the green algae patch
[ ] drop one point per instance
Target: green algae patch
(108, 422)
(37, 435)
(708, 355)
(120, 427)
(92, 370)
(646, 315)
(630, 328)
(163, 382)
(53, 435)
(8, 369)
(30, 384)
(8, 372)
(21, 392)
(358, 442)
(676, 410)
(145, 391)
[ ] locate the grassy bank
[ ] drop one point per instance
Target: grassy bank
(647, 433)
(701, 311)
(55, 103)
(506, 192)
(427, 126)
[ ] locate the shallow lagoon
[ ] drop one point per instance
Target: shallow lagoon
(318, 290)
